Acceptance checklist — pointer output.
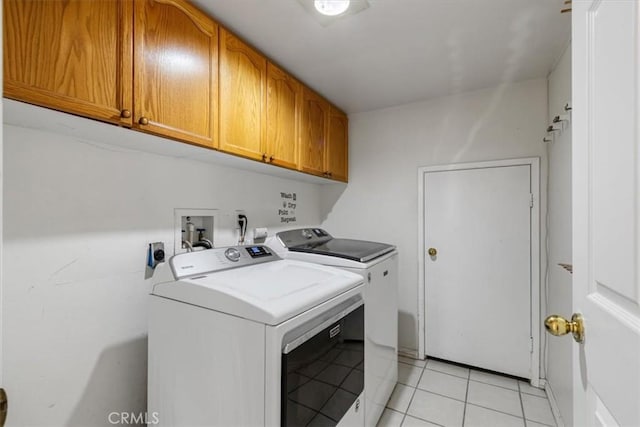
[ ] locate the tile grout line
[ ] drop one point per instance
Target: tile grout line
(404, 416)
(466, 398)
(524, 418)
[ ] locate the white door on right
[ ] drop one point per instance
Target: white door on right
(478, 285)
(606, 211)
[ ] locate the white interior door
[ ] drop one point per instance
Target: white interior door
(606, 211)
(478, 287)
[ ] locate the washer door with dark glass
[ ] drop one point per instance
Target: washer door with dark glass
(323, 372)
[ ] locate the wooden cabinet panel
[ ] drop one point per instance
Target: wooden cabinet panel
(284, 101)
(72, 55)
(242, 97)
(313, 136)
(337, 156)
(176, 71)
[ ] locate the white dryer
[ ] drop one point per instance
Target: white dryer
(377, 263)
(245, 338)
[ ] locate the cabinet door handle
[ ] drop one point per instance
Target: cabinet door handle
(143, 121)
(125, 114)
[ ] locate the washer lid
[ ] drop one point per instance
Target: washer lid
(269, 293)
(318, 241)
(356, 250)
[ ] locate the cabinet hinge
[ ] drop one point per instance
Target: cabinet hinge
(530, 200)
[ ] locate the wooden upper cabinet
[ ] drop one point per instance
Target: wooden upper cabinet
(284, 102)
(175, 71)
(313, 133)
(337, 155)
(72, 55)
(242, 98)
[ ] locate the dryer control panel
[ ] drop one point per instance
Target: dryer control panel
(208, 261)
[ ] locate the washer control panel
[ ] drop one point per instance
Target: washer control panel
(210, 260)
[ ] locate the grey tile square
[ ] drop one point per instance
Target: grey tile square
(448, 368)
(475, 416)
(334, 374)
(494, 397)
(529, 389)
(321, 421)
(409, 375)
(444, 384)
(349, 358)
(313, 369)
(313, 394)
(410, 361)
(537, 409)
(338, 404)
(494, 379)
(298, 415)
(436, 409)
(410, 421)
(354, 382)
(400, 397)
(390, 418)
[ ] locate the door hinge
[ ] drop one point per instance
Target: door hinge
(530, 344)
(530, 200)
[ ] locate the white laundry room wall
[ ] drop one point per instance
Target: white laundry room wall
(387, 146)
(78, 217)
(559, 301)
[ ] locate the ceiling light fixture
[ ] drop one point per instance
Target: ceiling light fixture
(331, 7)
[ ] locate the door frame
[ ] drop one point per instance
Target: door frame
(534, 164)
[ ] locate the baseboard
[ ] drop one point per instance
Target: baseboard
(408, 352)
(554, 405)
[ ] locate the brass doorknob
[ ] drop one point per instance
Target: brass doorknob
(125, 114)
(432, 252)
(4, 406)
(558, 325)
(143, 121)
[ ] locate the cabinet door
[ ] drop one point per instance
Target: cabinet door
(73, 56)
(175, 78)
(337, 157)
(284, 98)
(242, 97)
(313, 137)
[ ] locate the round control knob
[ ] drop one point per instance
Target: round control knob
(232, 254)
(307, 234)
(158, 255)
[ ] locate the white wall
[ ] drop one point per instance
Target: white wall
(559, 350)
(78, 217)
(387, 147)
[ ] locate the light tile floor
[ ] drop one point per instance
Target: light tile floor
(435, 393)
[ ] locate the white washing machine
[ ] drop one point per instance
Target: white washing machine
(377, 263)
(245, 338)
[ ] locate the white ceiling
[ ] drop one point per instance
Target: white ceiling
(400, 51)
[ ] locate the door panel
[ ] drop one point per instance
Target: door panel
(337, 146)
(73, 56)
(314, 128)
(242, 97)
(606, 210)
(479, 221)
(176, 51)
(284, 101)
